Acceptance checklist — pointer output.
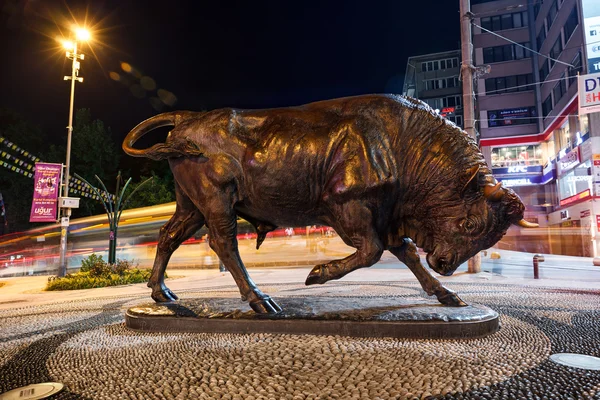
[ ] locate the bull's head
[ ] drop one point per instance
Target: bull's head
(477, 223)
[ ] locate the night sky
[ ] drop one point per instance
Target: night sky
(202, 55)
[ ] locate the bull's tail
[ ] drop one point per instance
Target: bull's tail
(160, 151)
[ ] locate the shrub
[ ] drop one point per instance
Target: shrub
(95, 273)
(95, 265)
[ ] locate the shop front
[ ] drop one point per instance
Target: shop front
(531, 182)
(572, 227)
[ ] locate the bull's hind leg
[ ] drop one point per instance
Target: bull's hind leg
(357, 228)
(183, 224)
(222, 225)
(407, 253)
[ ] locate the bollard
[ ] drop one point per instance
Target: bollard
(538, 258)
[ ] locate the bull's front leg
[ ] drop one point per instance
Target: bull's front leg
(356, 227)
(407, 253)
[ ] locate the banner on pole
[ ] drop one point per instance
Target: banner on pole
(45, 192)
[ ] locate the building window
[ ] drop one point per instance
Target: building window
(507, 84)
(439, 103)
(507, 52)
(436, 104)
(540, 38)
(575, 69)
(555, 51)
(545, 70)
(459, 120)
(576, 181)
(571, 24)
(512, 116)
(551, 14)
(516, 155)
(452, 101)
(442, 83)
(560, 89)
(456, 119)
(505, 21)
(547, 106)
(439, 64)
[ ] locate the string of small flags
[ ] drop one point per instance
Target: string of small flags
(75, 185)
(26, 169)
(19, 150)
(16, 169)
(7, 156)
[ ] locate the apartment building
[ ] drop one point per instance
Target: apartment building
(530, 129)
(433, 78)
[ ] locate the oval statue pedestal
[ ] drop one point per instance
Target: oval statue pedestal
(388, 316)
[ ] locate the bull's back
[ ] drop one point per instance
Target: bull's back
(297, 157)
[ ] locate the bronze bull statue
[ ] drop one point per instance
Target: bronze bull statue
(386, 172)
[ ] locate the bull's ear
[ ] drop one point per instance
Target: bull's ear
(472, 180)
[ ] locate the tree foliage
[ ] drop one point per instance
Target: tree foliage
(159, 191)
(16, 188)
(93, 152)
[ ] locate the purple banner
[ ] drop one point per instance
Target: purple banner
(45, 192)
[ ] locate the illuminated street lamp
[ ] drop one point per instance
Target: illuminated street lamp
(66, 203)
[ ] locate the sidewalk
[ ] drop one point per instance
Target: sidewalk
(28, 290)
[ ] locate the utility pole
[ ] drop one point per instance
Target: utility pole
(65, 202)
(466, 69)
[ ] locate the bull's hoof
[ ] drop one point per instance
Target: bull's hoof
(449, 298)
(163, 295)
(317, 275)
(265, 305)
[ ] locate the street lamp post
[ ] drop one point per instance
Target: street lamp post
(65, 203)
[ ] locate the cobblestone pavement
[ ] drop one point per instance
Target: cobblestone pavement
(85, 345)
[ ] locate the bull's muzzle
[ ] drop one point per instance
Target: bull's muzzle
(443, 265)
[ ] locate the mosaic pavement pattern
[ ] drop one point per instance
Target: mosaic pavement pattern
(86, 346)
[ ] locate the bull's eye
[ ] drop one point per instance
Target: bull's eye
(470, 225)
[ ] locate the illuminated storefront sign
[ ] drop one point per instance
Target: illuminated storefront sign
(520, 182)
(591, 26)
(569, 161)
(589, 93)
(579, 196)
(576, 178)
(517, 169)
(447, 111)
(523, 175)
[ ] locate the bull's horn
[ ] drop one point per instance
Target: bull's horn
(493, 192)
(527, 224)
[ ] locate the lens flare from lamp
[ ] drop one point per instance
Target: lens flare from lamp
(82, 34)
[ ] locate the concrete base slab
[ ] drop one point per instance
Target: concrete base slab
(388, 316)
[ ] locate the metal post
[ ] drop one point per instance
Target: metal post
(66, 212)
(536, 260)
(468, 94)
